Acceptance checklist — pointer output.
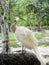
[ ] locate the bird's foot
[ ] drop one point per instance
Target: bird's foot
(23, 51)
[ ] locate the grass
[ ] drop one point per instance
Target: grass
(39, 36)
(44, 44)
(14, 42)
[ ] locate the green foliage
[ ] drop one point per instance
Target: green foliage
(30, 12)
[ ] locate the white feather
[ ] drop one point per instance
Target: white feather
(27, 38)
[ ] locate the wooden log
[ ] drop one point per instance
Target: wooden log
(19, 59)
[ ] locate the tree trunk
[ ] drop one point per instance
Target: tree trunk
(39, 26)
(4, 27)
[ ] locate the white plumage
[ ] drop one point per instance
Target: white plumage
(27, 38)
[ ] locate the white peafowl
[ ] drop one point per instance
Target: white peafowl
(27, 38)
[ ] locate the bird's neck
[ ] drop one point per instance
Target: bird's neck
(13, 27)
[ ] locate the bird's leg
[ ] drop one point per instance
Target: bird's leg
(40, 57)
(23, 49)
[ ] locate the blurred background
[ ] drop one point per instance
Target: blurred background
(33, 14)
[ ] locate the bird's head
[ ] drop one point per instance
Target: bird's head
(13, 26)
(16, 19)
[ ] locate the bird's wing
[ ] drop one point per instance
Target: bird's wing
(31, 38)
